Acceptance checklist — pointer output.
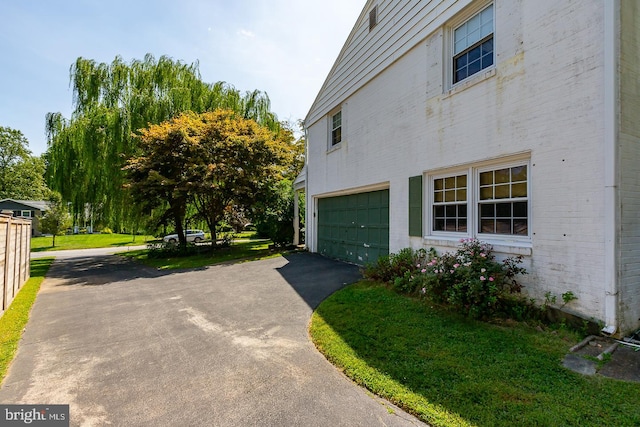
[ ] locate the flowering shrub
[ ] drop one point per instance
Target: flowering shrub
(389, 268)
(469, 279)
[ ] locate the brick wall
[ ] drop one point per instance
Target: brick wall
(543, 100)
(629, 161)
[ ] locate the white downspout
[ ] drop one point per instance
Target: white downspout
(611, 114)
(296, 219)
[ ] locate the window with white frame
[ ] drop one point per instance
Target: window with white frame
(26, 214)
(450, 203)
(335, 122)
(473, 45)
(488, 200)
(503, 203)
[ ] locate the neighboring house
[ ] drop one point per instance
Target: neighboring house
(33, 209)
(512, 121)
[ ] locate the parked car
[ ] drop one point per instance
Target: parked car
(195, 236)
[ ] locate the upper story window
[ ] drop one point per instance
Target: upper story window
(336, 128)
(473, 45)
(26, 214)
(373, 17)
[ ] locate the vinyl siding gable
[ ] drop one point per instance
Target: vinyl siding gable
(401, 26)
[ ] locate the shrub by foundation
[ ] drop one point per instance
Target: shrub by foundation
(469, 280)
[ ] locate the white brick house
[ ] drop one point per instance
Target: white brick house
(513, 121)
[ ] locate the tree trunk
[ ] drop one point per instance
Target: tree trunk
(214, 237)
(180, 230)
(178, 215)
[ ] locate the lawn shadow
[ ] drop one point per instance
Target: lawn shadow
(43, 249)
(129, 243)
(40, 266)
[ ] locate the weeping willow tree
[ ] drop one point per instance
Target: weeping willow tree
(86, 153)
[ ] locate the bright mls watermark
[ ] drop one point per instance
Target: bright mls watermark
(34, 415)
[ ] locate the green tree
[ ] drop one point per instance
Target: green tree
(87, 153)
(13, 150)
(235, 165)
(156, 176)
(298, 147)
(26, 182)
(56, 220)
(274, 215)
(274, 219)
(218, 160)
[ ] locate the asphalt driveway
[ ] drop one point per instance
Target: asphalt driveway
(220, 346)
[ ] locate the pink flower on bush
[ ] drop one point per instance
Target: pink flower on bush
(491, 279)
(482, 278)
(483, 255)
(456, 265)
(424, 270)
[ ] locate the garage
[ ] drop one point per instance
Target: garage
(354, 228)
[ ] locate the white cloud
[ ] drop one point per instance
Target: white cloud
(246, 33)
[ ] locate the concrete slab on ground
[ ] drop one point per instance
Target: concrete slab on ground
(623, 363)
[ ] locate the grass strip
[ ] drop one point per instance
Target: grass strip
(249, 250)
(86, 241)
(14, 320)
(452, 371)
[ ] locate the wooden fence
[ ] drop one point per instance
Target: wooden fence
(15, 248)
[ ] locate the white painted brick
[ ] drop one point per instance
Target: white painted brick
(546, 97)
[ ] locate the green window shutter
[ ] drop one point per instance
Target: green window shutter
(415, 206)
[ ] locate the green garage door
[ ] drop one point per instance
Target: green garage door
(354, 228)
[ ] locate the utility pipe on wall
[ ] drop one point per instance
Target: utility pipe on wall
(611, 162)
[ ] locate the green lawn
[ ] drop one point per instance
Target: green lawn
(86, 241)
(13, 321)
(452, 371)
(246, 249)
(243, 235)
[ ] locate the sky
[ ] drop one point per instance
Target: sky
(285, 48)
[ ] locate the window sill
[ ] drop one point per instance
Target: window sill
(471, 81)
(334, 148)
(499, 246)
